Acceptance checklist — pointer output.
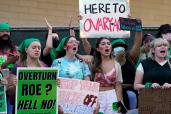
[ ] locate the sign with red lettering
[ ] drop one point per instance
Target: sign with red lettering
(78, 96)
(101, 18)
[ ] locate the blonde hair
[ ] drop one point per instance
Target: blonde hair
(157, 42)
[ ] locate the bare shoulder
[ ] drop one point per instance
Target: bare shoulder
(116, 62)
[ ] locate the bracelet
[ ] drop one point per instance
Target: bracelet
(148, 85)
(71, 36)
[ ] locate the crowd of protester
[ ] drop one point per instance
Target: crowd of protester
(121, 71)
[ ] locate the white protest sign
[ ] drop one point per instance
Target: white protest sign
(78, 96)
(100, 18)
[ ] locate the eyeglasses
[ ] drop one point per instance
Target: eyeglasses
(74, 41)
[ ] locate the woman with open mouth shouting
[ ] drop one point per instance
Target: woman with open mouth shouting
(107, 71)
(155, 72)
(70, 66)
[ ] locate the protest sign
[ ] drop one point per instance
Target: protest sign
(78, 96)
(130, 24)
(36, 91)
(154, 101)
(3, 106)
(101, 18)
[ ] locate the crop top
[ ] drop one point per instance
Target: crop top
(108, 79)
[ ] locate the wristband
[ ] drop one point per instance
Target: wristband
(148, 85)
(100, 113)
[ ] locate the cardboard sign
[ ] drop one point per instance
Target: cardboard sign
(130, 24)
(155, 101)
(36, 91)
(78, 96)
(101, 18)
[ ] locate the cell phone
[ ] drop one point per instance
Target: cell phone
(123, 110)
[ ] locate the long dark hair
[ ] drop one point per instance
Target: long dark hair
(163, 29)
(97, 58)
(22, 59)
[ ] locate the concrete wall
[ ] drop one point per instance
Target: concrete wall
(32, 12)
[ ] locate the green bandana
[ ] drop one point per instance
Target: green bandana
(4, 26)
(53, 54)
(26, 43)
(62, 44)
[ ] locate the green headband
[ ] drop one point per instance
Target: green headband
(62, 44)
(4, 26)
(119, 42)
(26, 43)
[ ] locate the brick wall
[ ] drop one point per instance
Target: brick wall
(32, 12)
(152, 12)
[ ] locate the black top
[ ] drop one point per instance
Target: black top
(155, 73)
(46, 59)
(128, 72)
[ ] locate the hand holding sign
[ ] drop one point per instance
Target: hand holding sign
(139, 25)
(80, 17)
(3, 81)
(12, 58)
